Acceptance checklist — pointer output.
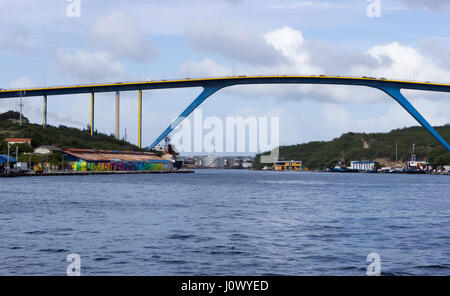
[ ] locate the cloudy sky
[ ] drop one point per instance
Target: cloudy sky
(40, 45)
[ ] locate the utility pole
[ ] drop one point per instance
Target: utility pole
(396, 154)
(21, 105)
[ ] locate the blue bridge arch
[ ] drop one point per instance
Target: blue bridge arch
(212, 85)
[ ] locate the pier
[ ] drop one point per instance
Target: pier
(90, 173)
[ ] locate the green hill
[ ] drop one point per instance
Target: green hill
(377, 146)
(61, 136)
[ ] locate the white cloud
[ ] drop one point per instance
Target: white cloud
(405, 62)
(291, 45)
(122, 37)
(232, 41)
(204, 68)
(89, 66)
(302, 57)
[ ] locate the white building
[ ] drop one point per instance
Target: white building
(247, 164)
(364, 166)
(46, 150)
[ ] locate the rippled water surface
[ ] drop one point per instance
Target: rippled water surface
(226, 223)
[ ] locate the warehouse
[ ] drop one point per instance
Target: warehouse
(106, 160)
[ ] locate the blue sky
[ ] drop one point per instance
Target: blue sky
(123, 41)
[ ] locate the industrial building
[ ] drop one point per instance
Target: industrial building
(208, 161)
(217, 162)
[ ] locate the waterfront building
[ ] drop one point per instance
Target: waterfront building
(208, 161)
(364, 166)
(247, 163)
(284, 165)
(106, 160)
(190, 162)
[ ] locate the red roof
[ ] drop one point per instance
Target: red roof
(18, 140)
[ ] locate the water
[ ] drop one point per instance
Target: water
(226, 223)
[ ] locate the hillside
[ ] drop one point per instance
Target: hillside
(60, 136)
(377, 146)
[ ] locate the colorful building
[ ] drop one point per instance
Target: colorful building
(284, 165)
(105, 160)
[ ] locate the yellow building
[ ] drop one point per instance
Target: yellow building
(285, 165)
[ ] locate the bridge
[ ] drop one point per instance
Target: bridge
(212, 85)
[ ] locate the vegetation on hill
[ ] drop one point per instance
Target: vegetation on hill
(377, 146)
(62, 136)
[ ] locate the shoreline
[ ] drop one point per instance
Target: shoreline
(28, 174)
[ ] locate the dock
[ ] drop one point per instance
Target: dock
(77, 173)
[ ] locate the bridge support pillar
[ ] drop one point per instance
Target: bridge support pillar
(140, 118)
(117, 115)
(396, 94)
(206, 93)
(92, 113)
(44, 119)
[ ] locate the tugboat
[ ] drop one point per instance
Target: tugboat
(170, 153)
(413, 166)
(341, 167)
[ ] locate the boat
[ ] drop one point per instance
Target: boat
(170, 153)
(341, 167)
(413, 166)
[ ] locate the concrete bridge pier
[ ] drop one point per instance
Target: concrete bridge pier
(92, 112)
(117, 115)
(140, 118)
(44, 119)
